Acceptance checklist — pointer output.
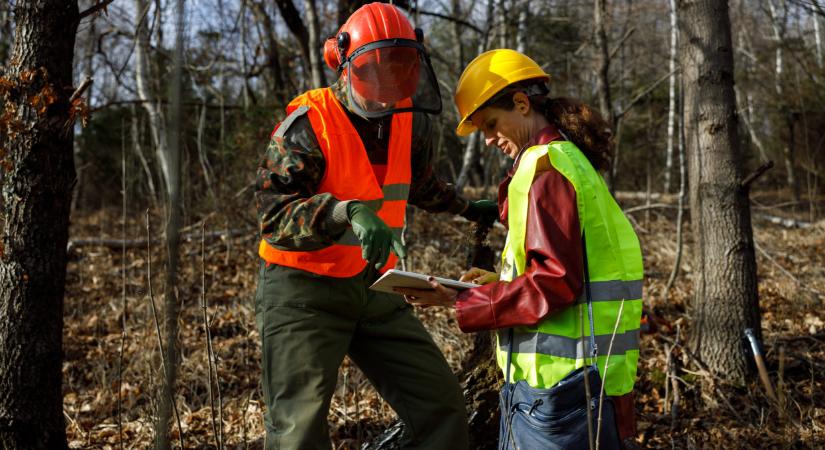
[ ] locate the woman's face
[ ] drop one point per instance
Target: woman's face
(509, 130)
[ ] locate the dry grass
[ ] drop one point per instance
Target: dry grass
(711, 414)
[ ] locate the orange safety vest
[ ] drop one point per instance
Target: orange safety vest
(348, 176)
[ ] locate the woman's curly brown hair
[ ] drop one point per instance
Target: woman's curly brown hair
(580, 123)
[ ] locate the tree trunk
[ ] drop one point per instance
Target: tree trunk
(725, 291)
(313, 42)
(603, 79)
(671, 110)
(296, 26)
(817, 40)
(471, 147)
(150, 100)
(278, 87)
(5, 31)
(170, 285)
(779, 26)
(39, 172)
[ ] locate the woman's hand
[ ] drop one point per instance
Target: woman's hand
(479, 276)
(438, 296)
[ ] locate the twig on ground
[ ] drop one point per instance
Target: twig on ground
(208, 337)
(785, 271)
(704, 372)
(668, 358)
(674, 408)
(123, 293)
(131, 243)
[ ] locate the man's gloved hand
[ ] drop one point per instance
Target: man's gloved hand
(377, 239)
(482, 211)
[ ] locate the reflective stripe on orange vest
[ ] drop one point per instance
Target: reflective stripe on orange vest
(348, 176)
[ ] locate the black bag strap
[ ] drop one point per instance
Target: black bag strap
(509, 354)
(594, 350)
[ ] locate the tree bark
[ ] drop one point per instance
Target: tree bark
(274, 76)
(603, 79)
(150, 100)
(172, 305)
(314, 44)
(37, 135)
(471, 148)
(5, 31)
(671, 109)
(725, 290)
(303, 35)
(779, 26)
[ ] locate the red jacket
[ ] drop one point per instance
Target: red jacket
(553, 276)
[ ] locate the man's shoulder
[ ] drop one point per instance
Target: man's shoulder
(295, 132)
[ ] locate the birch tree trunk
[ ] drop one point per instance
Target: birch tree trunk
(149, 99)
(725, 290)
(671, 108)
(779, 26)
(817, 40)
(36, 141)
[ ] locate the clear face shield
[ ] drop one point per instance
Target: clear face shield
(391, 76)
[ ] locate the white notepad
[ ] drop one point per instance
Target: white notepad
(398, 278)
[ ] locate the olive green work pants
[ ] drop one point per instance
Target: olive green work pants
(308, 323)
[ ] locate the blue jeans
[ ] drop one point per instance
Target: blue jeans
(555, 418)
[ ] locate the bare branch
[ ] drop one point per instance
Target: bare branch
(80, 90)
(100, 6)
(643, 94)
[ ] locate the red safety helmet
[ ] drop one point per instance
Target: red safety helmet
(386, 68)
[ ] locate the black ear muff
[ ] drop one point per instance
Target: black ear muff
(343, 45)
(419, 35)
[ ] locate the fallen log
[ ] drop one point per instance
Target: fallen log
(132, 243)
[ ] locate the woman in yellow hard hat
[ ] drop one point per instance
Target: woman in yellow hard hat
(566, 303)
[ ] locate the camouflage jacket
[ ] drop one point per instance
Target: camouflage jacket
(292, 215)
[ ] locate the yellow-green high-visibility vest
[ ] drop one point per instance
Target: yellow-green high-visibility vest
(546, 353)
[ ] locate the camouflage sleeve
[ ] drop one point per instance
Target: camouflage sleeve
(291, 215)
(427, 190)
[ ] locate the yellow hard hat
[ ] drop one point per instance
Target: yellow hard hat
(488, 74)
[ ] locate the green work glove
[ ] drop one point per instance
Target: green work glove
(481, 211)
(377, 239)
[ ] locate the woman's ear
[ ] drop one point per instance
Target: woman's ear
(522, 103)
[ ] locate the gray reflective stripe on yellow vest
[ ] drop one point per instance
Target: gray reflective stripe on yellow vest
(566, 347)
(607, 291)
(289, 120)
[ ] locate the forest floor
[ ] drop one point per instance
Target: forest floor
(708, 414)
